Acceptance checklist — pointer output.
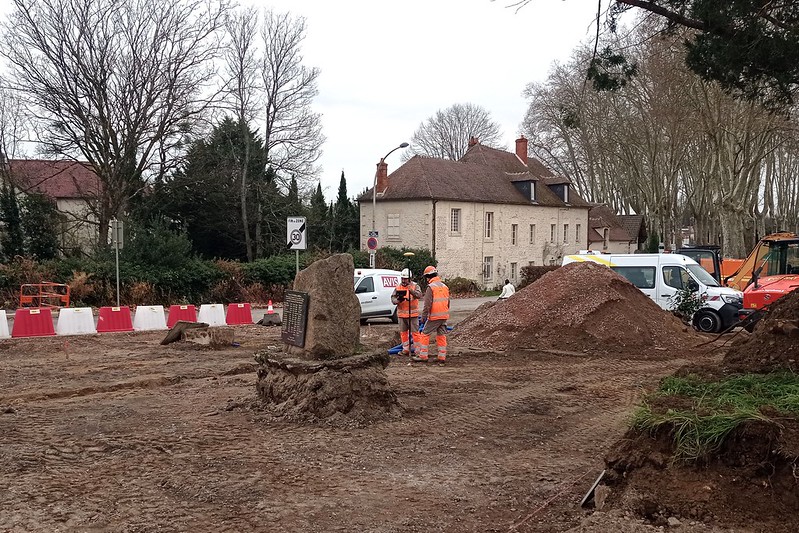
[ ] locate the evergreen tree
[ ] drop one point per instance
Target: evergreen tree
(345, 220)
(203, 197)
(39, 220)
(318, 222)
(11, 240)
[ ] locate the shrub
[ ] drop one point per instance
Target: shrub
(462, 287)
(531, 273)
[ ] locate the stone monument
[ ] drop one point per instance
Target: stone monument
(320, 375)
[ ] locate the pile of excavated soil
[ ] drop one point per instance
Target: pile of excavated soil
(750, 480)
(578, 307)
(774, 344)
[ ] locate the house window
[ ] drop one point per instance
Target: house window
(605, 234)
(514, 232)
(552, 229)
(513, 271)
(488, 268)
(455, 221)
(565, 233)
(566, 194)
(532, 191)
(577, 232)
(532, 233)
(489, 226)
(393, 226)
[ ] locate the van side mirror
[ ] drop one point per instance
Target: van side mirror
(693, 285)
(361, 289)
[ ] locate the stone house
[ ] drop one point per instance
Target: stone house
(73, 186)
(483, 217)
(614, 234)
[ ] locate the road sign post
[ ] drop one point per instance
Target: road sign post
(296, 236)
(117, 241)
(372, 244)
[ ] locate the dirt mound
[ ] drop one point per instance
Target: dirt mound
(774, 344)
(579, 307)
(749, 481)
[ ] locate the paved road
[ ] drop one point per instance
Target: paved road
(460, 307)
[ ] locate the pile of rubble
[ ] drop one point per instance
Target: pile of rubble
(579, 307)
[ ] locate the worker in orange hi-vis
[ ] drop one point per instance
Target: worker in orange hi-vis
(435, 313)
(406, 297)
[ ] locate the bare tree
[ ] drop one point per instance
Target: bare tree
(293, 132)
(446, 134)
(117, 82)
(13, 124)
(244, 92)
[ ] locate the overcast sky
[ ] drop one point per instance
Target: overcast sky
(386, 66)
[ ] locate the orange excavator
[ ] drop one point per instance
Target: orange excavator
(769, 272)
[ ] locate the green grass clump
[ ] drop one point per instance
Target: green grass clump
(716, 408)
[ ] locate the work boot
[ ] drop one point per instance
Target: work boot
(403, 353)
(417, 359)
(442, 360)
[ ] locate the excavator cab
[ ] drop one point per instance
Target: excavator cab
(774, 255)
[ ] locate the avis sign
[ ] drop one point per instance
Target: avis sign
(296, 233)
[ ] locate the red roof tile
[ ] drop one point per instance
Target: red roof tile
(601, 216)
(54, 179)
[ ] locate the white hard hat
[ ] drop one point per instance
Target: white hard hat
(405, 274)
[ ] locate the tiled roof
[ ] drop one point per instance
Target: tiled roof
(632, 224)
(54, 179)
(483, 174)
(601, 216)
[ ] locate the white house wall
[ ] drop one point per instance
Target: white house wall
(78, 227)
(463, 255)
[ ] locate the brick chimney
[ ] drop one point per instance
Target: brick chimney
(382, 176)
(521, 148)
(472, 141)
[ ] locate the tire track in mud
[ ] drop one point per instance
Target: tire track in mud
(145, 383)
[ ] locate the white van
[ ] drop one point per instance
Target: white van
(373, 288)
(660, 276)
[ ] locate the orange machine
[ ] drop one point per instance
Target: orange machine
(768, 273)
(45, 294)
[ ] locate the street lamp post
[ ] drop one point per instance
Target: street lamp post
(374, 197)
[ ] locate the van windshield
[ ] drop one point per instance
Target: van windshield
(702, 275)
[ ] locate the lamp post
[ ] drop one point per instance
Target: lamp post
(374, 197)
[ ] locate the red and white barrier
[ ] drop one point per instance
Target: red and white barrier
(75, 321)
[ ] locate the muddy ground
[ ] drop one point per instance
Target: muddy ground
(117, 433)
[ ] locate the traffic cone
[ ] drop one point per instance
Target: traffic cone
(269, 309)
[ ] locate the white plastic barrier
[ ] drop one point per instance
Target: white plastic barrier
(149, 318)
(212, 314)
(4, 334)
(75, 321)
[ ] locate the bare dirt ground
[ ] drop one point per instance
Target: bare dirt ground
(117, 433)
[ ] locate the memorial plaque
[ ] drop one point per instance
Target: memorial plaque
(295, 318)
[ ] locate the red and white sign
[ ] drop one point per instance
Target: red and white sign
(371, 243)
(390, 281)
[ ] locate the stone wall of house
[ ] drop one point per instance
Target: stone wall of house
(463, 253)
(614, 247)
(77, 232)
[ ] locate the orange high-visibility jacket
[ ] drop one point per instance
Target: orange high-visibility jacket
(409, 307)
(436, 300)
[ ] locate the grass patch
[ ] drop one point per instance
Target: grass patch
(710, 410)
